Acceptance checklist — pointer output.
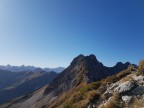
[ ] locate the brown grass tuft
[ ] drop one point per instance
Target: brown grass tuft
(127, 78)
(114, 102)
(141, 67)
(137, 104)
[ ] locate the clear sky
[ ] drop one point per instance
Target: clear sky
(50, 33)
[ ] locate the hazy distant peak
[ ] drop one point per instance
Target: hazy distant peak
(29, 68)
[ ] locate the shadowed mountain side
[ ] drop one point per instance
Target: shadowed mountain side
(82, 69)
(26, 85)
(8, 78)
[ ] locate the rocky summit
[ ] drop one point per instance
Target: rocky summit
(86, 69)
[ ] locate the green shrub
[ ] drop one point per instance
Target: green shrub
(82, 94)
(68, 105)
(91, 86)
(78, 97)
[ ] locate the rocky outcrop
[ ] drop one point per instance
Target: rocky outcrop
(130, 91)
(138, 90)
(127, 99)
(125, 87)
(139, 79)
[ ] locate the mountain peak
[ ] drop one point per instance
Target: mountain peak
(119, 64)
(84, 69)
(78, 58)
(84, 59)
(92, 56)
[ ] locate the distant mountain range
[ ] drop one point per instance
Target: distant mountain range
(29, 68)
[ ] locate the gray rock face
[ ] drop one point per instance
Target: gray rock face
(127, 99)
(138, 91)
(125, 87)
(140, 79)
(112, 86)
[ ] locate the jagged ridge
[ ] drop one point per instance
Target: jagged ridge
(83, 69)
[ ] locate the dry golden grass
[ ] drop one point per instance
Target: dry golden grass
(81, 96)
(127, 78)
(109, 79)
(137, 104)
(141, 67)
(115, 78)
(93, 96)
(113, 103)
(123, 74)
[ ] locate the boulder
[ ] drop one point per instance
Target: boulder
(127, 99)
(140, 79)
(138, 91)
(125, 87)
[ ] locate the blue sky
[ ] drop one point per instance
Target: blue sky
(50, 33)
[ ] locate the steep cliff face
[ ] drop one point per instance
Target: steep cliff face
(83, 69)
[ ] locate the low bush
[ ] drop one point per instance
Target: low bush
(78, 97)
(68, 105)
(91, 86)
(141, 67)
